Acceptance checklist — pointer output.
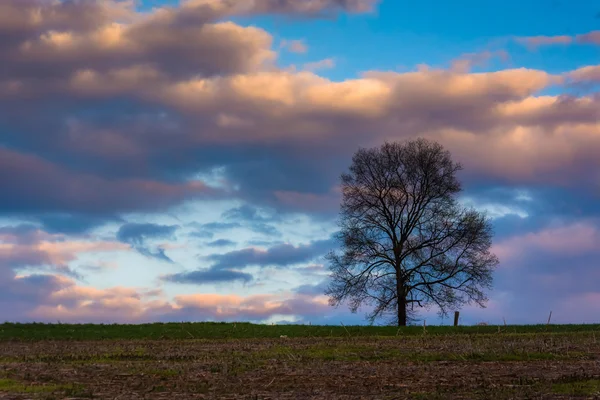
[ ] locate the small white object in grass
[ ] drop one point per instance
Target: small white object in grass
(482, 324)
(283, 337)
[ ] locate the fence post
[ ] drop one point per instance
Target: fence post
(456, 318)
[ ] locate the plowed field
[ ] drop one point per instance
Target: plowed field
(453, 366)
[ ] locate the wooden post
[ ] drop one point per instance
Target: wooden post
(456, 313)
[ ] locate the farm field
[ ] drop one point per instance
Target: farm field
(244, 361)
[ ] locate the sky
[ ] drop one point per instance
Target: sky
(180, 160)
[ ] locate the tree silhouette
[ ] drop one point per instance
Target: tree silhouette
(406, 241)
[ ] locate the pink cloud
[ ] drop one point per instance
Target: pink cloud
(294, 46)
(326, 63)
(533, 42)
(590, 73)
(579, 308)
(467, 61)
(38, 248)
(73, 303)
(589, 38)
(537, 41)
(566, 240)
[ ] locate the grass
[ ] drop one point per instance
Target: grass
(587, 387)
(209, 330)
(10, 385)
(14, 386)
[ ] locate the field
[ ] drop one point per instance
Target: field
(244, 361)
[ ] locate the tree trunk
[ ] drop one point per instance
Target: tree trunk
(401, 302)
(401, 311)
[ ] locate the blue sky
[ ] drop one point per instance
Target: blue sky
(400, 35)
(171, 160)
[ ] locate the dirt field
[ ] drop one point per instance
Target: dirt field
(500, 366)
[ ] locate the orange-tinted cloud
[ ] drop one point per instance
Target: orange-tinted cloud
(22, 247)
(534, 42)
(537, 41)
(68, 302)
(589, 38)
(295, 46)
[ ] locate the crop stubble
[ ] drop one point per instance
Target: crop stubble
(542, 365)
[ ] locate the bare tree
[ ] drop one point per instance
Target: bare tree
(405, 239)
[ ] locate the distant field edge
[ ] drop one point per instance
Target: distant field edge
(244, 330)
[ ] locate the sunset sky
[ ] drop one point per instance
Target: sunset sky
(180, 160)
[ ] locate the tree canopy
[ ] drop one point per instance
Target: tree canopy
(406, 241)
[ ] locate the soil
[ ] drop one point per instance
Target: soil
(444, 367)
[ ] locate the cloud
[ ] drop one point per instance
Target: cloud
(208, 276)
(300, 116)
(592, 37)
(534, 42)
(249, 213)
(32, 184)
(137, 235)
(279, 255)
(565, 241)
(48, 298)
(26, 246)
(552, 267)
(62, 37)
(537, 41)
(220, 226)
(245, 216)
(326, 63)
(221, 243)
(466, 62)
(252, 308)
(73, 223)
(24, 15)
(294, 46)
(314, 7)
(590, 73)
(312, 290)
(147, 39)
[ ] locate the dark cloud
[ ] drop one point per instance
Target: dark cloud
(74, 223)
(255, 219)
(265, 229)
(267, 243)
(208, 276)
(312, 290)
(221, 243)
(280, 255)
(20, 296)
(221, 226)
(312, 270)
(21, 234)
(202, 234)
(33, 185)
(137, 235)
(209, 229)
(248, 212)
